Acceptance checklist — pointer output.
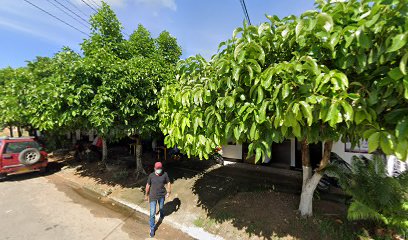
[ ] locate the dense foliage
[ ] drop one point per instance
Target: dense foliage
(111, 86)
(337, 71)
(375, 195)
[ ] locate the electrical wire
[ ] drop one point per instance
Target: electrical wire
(67, 13)
(89, 6)
(83, 19)
(96, 4)
(76, 7)
(244, 8)
(59, 19)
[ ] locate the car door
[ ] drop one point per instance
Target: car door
(11, 151)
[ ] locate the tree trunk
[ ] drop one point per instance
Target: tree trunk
(11, 131)
(19, 132)
(310, 181)
(73, 138)
(139, 164)
(104, 151)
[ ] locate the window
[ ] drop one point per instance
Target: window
(17, 147)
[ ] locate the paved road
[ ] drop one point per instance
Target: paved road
(48, 208)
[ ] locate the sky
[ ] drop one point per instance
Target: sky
(199, 26)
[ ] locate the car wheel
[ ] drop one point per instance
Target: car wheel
(29, 156)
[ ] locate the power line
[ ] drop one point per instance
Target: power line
(77, 8)
(86, 21)
(244, 8)
(96, 4)
(62, 10)
(59, 19)
(89, 5)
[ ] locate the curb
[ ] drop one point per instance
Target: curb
(195, 232)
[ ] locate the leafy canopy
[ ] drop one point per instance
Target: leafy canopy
(309, 77)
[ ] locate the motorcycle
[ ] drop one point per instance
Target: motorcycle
(217, 156)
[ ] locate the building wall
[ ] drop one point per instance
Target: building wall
(235, 152)
(232, 151)
(339, 149)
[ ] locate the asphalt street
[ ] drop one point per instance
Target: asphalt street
(47, 208)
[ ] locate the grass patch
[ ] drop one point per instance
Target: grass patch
(338, 231)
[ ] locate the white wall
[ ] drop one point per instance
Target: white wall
(339, 148)
(232, 151)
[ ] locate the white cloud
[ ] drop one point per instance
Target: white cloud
(20, 28)
(171, 4)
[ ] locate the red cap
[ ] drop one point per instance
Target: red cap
(158, 165)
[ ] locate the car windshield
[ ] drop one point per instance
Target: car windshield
(17, 147)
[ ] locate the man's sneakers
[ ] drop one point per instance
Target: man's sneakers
(151, 232)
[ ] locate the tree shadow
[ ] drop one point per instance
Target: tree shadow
(120, 169)
(259, 203)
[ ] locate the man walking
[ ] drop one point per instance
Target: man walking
(156, 193)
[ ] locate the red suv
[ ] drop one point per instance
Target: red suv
(19, 155)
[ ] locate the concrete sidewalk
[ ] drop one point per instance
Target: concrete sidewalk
(201, 190)
(181, 218)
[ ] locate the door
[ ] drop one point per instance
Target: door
(10, 155)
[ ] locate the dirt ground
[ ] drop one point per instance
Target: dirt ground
(226, 201)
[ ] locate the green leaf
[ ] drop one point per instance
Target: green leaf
(218, 117)
(348, 109)
(299, 27)
(260, 95)
(373, 141)
(368, 133)
(362, 39)
(229, 101)
(262, 111)
(307, 111)
(236, 31)
(258, 154)
(237, 133)
(401, 150)
(398, 42)
(201, 139)
(359, 117)
(235, 73)
(255, 65)
(286, 91)
(296, 130)
(395, 74)
(243, 108)
(401, 131)
(252, 131)
(325, 21)
(386, 143)
(250, 72)
(403, 64)
(238, 50)
(333, 115)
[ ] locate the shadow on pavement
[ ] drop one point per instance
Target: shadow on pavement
(171, 206)
(52, 168)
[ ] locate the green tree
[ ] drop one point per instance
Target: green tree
(13, 92)
(125, 77)
(293, 77)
